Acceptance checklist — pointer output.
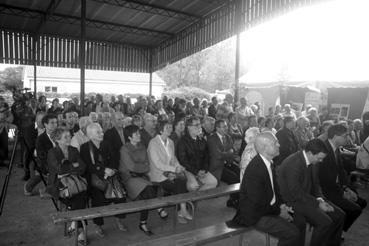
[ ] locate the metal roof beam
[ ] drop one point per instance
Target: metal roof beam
(31, 13)
(49, 12)
(152, 9)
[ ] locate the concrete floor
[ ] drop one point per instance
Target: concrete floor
(27, 221)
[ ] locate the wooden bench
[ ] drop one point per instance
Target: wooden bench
(137, 206)
(199, 236)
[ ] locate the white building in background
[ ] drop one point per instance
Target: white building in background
(67, 80)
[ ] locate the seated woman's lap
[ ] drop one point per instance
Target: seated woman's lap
(176, 186)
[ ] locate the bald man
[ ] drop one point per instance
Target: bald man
(260, 202)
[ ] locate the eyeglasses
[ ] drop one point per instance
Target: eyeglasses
(196, 125)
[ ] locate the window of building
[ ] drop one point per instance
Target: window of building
(47, 89)
(54, 89)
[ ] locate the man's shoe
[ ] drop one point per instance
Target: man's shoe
(99, 231)
(231, 203)
(25, 191)
(120, 225)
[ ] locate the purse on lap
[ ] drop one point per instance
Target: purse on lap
(112, 186)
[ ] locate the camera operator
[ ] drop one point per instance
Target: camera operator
(24, 118)
(6, 118)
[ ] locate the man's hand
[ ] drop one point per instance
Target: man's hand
(108, 172)
(350, 195)
(286, 212)
(75, 164)
(201, 173)
(325, 206)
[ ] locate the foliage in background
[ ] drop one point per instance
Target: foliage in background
(11, 78)
(187, 93)
(211, 69)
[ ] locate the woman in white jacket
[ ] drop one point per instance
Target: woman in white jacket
(165, 168)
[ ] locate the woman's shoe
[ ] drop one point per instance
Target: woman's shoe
(82, 239)
(185, 215)
(143, 227)
(162, 213)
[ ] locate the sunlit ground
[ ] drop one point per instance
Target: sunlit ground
(324, 42)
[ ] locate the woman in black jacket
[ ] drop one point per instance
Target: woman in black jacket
(97, 155)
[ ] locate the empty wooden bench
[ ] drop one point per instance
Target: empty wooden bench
(199, 236)
(137, 206)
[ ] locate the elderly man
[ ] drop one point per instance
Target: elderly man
(80, 137)
(300, 189)
(260, 202)
(149, 130)
(193, 154)
(333, 178)
(207, 126)
(114, 136)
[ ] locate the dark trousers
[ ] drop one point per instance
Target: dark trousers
(177, 186)
(98, 199)
(231, 175)
(4, 141)
(287, 233)
(147, 193)
(78, 201)
(327, 226)
(352, 210)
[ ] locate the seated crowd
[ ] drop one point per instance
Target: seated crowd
(293, 166)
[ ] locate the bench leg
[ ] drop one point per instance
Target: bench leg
(267, 239)
(175, 215)
(84, 231)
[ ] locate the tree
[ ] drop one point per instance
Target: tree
(210, 69)
(11, 78)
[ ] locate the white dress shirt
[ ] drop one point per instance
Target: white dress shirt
(268, 166)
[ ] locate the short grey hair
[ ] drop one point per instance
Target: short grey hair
(84, 122)
(91, 129)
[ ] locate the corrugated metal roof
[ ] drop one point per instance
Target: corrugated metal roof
(124, 34)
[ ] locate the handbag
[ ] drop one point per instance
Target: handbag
(95, 180)
(72, 185)
(114, 188)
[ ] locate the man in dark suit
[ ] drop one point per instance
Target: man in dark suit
(220, 146)
(221, 156)
(149, 130)
(300, 189)
(260, 202)
(333, 178)
(114, 136)
(287, 140)
(43, 145)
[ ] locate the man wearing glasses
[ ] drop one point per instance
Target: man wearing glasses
(192, 153)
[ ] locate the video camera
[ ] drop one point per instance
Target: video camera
(22, 113)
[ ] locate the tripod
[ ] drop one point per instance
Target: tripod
(10, 168)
